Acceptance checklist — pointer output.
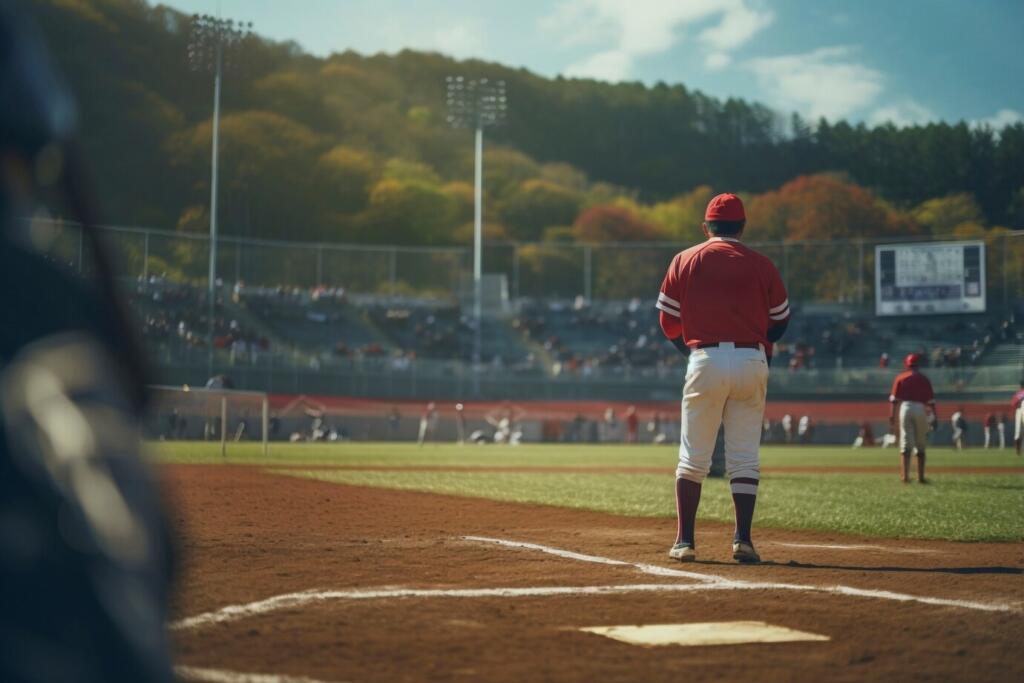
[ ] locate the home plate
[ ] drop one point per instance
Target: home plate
(712, 633)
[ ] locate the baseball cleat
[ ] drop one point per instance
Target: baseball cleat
(744, 553)
(683, 552)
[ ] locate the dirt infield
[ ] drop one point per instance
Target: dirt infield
(385, 585)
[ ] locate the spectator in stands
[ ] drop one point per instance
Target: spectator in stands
(632, 425)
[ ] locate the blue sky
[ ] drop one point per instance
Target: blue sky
(905, 61)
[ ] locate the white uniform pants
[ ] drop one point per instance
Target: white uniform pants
(913, 427)
(724, 386)
(1018, 422)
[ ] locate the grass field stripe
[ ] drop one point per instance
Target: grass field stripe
(192, 673)
(723, 583)
(837, 546)
(653, 570)
(290, 600)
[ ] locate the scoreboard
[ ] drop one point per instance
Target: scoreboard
(930, 278)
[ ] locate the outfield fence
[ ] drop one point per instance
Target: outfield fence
(817, 271)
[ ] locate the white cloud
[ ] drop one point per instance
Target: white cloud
(999, 120)
(459, 40)
(631, 30)
(902, 114)
(716, 61)
(824, 82)
(738, 25)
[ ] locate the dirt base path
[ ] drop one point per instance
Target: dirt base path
(250, 535)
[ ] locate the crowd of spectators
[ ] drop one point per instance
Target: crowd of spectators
(556, 337)
(580, 337)
(175, 314)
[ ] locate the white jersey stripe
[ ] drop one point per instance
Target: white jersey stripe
(670, 311)
(776, 309)
(667, 299)
(780, 316)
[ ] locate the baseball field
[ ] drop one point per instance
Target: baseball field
(385, 562)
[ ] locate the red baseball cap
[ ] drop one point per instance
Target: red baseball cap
(725, 207)
(912, 360)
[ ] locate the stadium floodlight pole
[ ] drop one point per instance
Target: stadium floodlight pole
(477, 104)
(211, 48)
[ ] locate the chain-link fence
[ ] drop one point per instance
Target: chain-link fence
(837, 271)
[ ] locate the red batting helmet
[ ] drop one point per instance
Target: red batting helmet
(912, 360)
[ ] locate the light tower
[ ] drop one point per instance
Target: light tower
(213, 48)
(477, 104)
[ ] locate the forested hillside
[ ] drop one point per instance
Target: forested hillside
(356, 148)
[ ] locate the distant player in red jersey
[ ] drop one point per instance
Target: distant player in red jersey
(1017, 410)
(912, 396)
(990, 429)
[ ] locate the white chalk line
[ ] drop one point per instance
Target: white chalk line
(193, 673)
(707, 582)
(838, 546)
(303, 598)
(651, 569)
(723, 582)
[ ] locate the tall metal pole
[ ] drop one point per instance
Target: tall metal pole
(212, 284)
(478, 230)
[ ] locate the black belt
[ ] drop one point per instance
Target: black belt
(738, 345)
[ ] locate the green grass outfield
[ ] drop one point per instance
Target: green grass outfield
(964, 506)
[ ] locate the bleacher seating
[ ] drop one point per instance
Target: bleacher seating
(551, 336)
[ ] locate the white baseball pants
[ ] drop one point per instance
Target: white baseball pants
(913, 427)
(1018, 422)
(724, 386)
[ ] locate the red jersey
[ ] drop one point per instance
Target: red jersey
(1017, 400)
(721, 291)
(912, 386)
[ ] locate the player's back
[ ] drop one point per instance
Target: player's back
(725, 291)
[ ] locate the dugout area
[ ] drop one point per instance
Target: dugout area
(319, 581)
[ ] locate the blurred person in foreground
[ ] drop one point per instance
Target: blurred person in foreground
(913, 399)
(85, 561)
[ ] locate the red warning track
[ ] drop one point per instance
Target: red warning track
(823, 411)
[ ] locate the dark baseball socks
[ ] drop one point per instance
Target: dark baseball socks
(744, 497)
(687, 500)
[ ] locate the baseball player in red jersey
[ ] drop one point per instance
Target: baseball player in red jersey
(723, 304)
(912, 391)
(1017, 410)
